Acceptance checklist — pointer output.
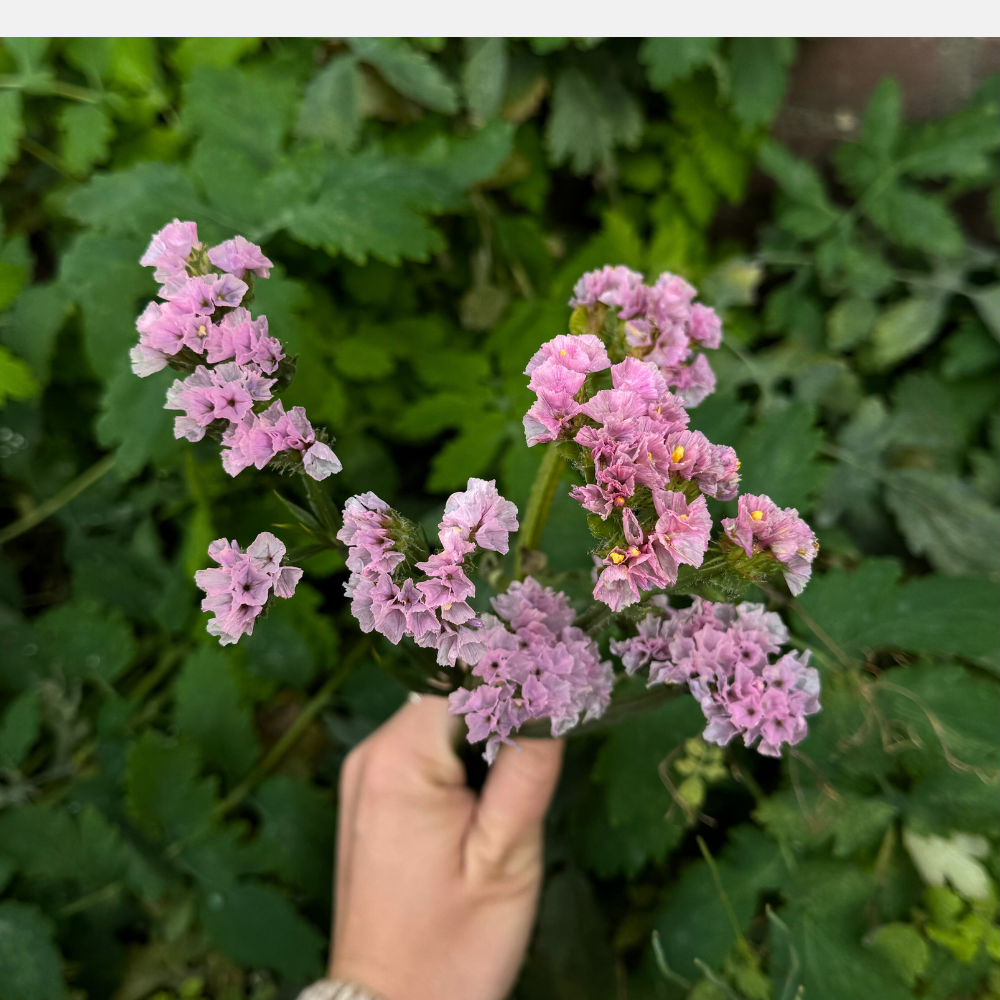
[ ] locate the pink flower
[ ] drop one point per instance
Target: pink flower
(584, 353)
(238, 256)
(681, 533)
(615, 286)
(168, 250)
(693, 382)
(640, 377)
(705, 326)
(760, 525)
(481, 515)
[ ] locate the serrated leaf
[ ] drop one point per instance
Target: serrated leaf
(30, 963)
(636, 801)
(33, 323)
(693, 922)
(850, 321)
(82, 639)
(915, 220)
(217, 52)
(758, 67)
(942, 518)
(209, 712)
(779, 457)
(958, 146)
(903, 948)
(797, 178)
(954, 860)
(362, 359)
(414, 74)
(257, 926)
(163, 790)
(87, 134)
(905, 328)
(670, 59)
(16, 380)
(467, 455)
(870, 609)
(484, 76)
(588, 120)
(19, 729)
(880, 126)
(11, 128)
(331, 107)
(134, 420)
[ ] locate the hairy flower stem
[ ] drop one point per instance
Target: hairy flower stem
(543, 491)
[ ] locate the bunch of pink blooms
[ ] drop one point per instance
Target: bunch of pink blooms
(240, 589)
(202, 319)
(660, 323)
(536, 666)
(647, 473)
(723, 653)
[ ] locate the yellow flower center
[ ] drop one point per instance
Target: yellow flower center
(619, 501)
(738, 464)
(659, 410)
(756, 515)
(562, 352)
(801, 552)
(616, 557)
(446, 607)
(633, 551)
(684, 517)
(202, 331)
(677, 454)
(649, 456)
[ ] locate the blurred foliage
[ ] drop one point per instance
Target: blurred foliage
(167, 807)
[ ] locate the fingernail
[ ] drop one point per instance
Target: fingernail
(413, 698)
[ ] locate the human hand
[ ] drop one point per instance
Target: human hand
(437, 887)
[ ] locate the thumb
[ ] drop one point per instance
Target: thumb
(507, 826)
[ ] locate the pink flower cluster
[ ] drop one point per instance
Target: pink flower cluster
(662, 324)
(239, 590)
(202, 313)
(434, 611)
(724, 654)
(761, 525)
(536, 665)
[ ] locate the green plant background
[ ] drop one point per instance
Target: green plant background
(167, 808)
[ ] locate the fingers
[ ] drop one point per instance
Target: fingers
(513, 802)
(417, 740)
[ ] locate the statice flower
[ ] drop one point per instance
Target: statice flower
(761, 526)
(202, 327)
(725, 654)
(240, 589)
(480, 515)
(536, 665)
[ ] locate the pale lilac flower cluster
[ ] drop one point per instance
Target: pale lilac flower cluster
(239, 590)
(202, 317)
(724, 654)
(762, 526)
(434, 611)
(536, 665)
(663, 325)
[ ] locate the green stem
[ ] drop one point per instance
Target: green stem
(543, 491)
(723, 896)
(63, 497)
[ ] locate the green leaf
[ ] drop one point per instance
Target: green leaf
(693, 922)
(588, 120)
(758, 67)
(882, 121)
(797, 178)
(19, 729)
(905, 328)
(915, 220)
(331, 107)
(249, 110)
(903, 948)
(16, 380)
(414, 74)
(11, 128)
(30, 963)
(81, 639)
(670, 59)
(133, 418)
(33, 323)
(217, 52)
(850, 321)
(959, 146)
(942, 518)
(279, 649)
(256, 926)
(209, 713)
(870, 609)
(467, 455)
(636, 800)
(87, 134)
(779, 456)
(362, 359)
(484, 76)
(163, 791)
(987, 302)
(296, 834)
(954, 860)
